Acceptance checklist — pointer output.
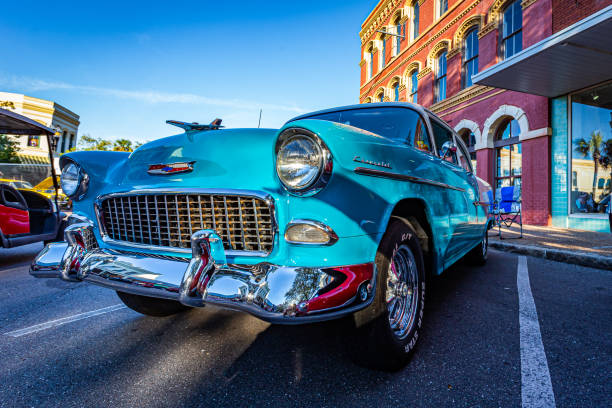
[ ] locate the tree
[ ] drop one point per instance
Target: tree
(8, 149)
(606, 157)
(123, 145)
(87, 142)
(591, 147)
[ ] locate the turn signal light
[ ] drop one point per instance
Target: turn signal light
(308, 232)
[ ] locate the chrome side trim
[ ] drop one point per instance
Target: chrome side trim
(403, 177)
(231, 192)
(333, 237)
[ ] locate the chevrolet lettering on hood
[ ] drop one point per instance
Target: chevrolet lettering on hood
(373, 163)
(171, 168)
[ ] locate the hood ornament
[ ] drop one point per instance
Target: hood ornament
(189, 127)
(171, 168)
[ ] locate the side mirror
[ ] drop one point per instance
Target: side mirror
(448, 148)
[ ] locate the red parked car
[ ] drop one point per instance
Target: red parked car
(27, 216)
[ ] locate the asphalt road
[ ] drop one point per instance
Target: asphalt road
(469, 353)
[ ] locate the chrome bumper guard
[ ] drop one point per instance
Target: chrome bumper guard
(278, 294)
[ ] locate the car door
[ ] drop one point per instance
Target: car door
(459, 191)
(14, 216)
(476, 215)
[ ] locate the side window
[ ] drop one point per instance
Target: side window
(444, 138)
(463, 156)
(421, 138)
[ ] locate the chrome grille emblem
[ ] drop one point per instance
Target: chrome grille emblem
(171, 168)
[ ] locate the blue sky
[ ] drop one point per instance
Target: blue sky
(126, 67)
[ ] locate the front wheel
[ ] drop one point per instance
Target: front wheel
(388, 341)
(151, 306)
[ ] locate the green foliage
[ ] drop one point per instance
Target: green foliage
(123, 145)
(8, 149)
(87, 142)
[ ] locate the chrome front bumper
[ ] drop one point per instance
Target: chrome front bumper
(275, 293)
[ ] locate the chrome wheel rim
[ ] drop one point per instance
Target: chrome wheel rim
(402, 292)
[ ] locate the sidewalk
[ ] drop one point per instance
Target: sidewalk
(579, 247)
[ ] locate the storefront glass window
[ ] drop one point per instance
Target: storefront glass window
(591, 150)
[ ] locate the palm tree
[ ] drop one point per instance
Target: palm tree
(123, 145)
(606, 158)
(591, 147)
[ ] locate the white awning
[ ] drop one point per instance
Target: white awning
(574, 58)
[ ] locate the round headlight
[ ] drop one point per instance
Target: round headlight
(303, 162)
(299, 162)
(70, 179)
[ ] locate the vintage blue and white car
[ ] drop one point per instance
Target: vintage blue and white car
(341, 212)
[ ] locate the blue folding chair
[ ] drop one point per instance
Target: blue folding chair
(509, 208)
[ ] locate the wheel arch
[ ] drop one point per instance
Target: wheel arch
(416, 213)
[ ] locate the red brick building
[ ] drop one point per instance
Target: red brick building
(441, 44)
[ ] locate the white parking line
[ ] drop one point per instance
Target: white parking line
(536, 387)
(63, 320)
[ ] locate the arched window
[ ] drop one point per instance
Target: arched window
(508, 154)
(383, 52)
(469, 139)
(440, 80)
(370, 54)
(415, 19)
(368, 100)
(397, 39)
(414, 86)
(470, 56)
(396, 91)
(442, 7)
(512, 25)
(380, 96)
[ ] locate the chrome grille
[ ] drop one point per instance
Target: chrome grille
(245, 223)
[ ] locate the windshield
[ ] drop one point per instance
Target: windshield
(393, 123)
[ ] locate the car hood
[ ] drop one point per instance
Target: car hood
(226, 159)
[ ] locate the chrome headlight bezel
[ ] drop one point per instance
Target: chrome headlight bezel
(325, 167)
(82, 181)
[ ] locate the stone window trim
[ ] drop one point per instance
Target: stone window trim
(477, 20)
(466, 124)
(500, 115)
(409, 70)
(432, 56)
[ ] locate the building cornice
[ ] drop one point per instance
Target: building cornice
(487, 28)
(453, 52)
(470, 102)
(378, 15)
(423, 72)
(462, 96)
